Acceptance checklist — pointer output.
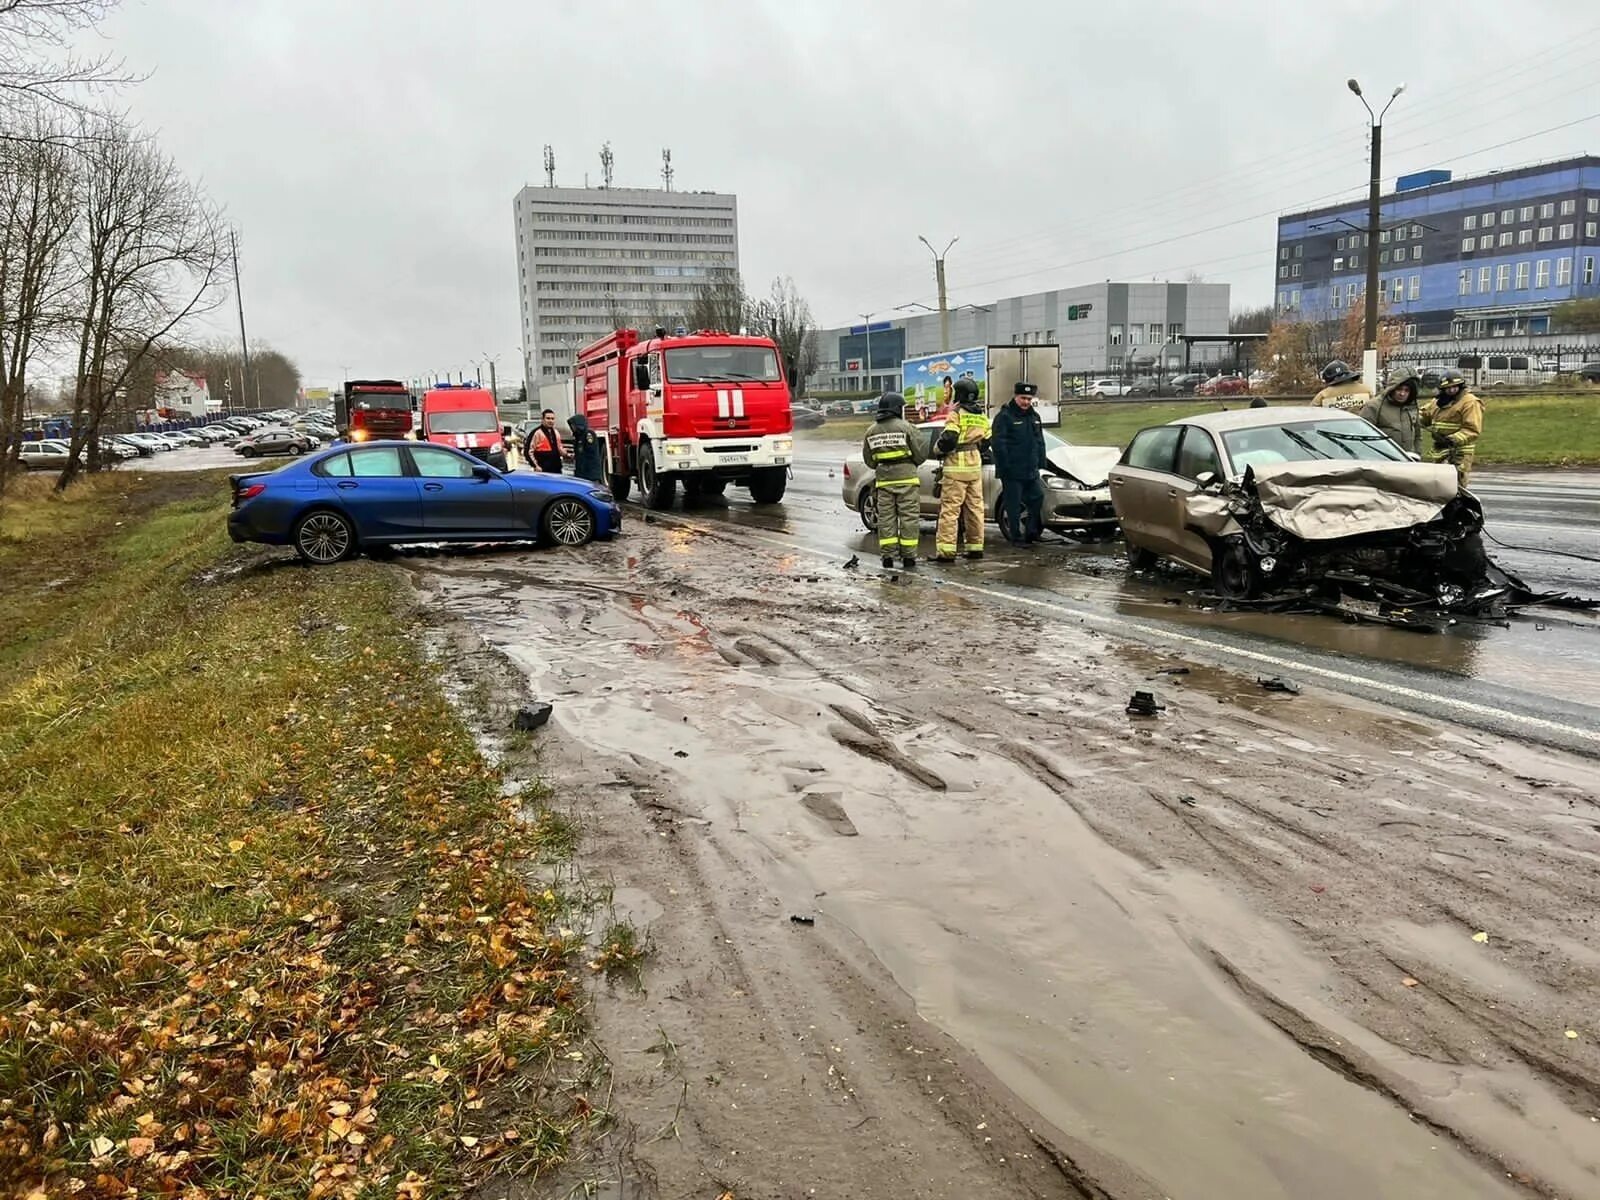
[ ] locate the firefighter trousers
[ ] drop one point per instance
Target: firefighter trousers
(961, 516)
(899, 519)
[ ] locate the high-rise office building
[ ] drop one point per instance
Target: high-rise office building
(592, 259)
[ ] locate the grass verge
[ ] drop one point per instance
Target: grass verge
(1518, 430)
(270, 930)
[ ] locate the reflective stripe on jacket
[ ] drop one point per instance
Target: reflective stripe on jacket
(966, 460)
(892, 449)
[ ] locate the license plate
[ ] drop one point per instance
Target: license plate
(733, 458)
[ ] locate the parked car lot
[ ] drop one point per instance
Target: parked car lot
(349, 498)
(1077, 502)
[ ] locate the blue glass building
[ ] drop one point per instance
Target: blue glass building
(1488, 256)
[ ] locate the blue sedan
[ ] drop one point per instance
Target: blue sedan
(328, 506)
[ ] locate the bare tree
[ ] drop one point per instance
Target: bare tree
(150, 255)
(720, 304)
(38, 68)
(38, 210)
(786, 318)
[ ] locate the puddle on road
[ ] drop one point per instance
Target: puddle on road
(1069, 968)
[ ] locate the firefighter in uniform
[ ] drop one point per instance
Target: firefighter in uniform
(893, 449)
(961, 510)
(1342, 388)
(1455, 419)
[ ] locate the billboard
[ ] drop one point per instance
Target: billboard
(318, 395)
(923, 378)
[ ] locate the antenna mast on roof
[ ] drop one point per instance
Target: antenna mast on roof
(666, 168)
(606, 159)
(549, 167)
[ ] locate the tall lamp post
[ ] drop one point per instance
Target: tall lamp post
(1369, 364)
(938, 272)
(866, 363)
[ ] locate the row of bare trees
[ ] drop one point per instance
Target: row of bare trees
(106, 248)
(782, 314)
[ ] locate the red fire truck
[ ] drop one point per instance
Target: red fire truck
(373, 409)
(704, 408)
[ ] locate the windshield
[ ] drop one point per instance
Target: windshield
(1305, 441)
(471, 421)
(703, 364)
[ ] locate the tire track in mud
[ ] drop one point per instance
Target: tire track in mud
(1362, 1070)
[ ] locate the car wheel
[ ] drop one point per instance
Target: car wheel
(620, 485)
(1234, 570)
(1140, 559)
(568, 522)
(767, 485)
(295, 451)
(323, 536)
(656, 490)
(867, 507)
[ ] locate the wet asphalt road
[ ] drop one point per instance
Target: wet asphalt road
(1538, 680)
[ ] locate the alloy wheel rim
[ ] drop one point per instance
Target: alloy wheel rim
(570, 523)
(324, 538)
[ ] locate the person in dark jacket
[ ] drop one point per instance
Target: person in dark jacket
(585, 448)
(544, 444)
(1019, 455)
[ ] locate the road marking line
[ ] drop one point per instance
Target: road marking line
(1432, 700)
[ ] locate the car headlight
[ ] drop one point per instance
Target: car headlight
(676, 449)
(603, 496)
(782, 445)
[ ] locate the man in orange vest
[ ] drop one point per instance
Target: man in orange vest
(544, 445)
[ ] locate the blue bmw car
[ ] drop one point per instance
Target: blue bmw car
(329, 506)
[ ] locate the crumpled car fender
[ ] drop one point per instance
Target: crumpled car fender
(1210, 513)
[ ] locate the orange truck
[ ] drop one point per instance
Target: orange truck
(464, 416)
(373, 409)
(702, 409)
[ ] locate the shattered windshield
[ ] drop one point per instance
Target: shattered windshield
(1305, 441)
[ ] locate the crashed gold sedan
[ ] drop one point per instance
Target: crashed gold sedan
(1307, 507)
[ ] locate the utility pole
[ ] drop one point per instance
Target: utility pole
(1369, 364)
(938, 271)
(244, 345)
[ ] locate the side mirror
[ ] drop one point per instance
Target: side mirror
(1205, 479)
(641, 375)
(483, 471)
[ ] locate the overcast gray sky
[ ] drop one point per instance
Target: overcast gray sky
(369, 150)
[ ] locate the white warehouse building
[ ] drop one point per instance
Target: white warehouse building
(1100, 327)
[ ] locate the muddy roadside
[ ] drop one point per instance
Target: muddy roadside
(1227, 951)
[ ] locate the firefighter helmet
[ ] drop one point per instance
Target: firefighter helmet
(966, 393)
(1337, 372)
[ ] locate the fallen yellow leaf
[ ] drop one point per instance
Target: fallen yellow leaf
(1409, 982)
(1480, 936)
(236, 845)
(101, 1146)
(1572, 1033)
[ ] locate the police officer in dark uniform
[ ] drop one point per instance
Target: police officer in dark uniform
(1019, 455)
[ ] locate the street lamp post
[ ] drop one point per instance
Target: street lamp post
(938, 272)
(1369, 365)
(866, 363)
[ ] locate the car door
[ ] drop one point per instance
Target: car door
(458, 500)
(1197, 456)
(1140, 484)
(373, 485)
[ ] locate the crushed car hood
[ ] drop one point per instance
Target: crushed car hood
(1323, 500)
(1089, 465)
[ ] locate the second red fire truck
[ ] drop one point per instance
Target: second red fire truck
(702, 409)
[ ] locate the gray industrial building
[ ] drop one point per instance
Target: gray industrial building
(591, 259)
(1100, 327)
